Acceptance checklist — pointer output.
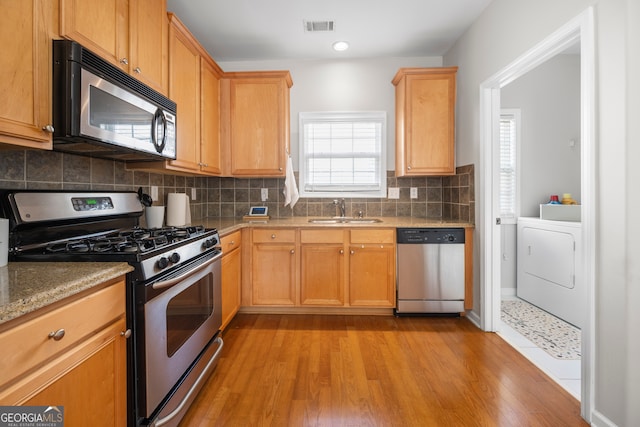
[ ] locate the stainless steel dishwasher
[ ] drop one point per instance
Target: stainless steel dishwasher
(430, 270)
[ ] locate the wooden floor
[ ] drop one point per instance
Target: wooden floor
(312, 370)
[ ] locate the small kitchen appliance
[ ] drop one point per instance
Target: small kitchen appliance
(100, 111)
(173, 293)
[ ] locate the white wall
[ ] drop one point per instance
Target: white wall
(549, 99)
(508, 29)
(340, 85)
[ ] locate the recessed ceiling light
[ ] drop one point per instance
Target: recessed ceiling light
(340, 46)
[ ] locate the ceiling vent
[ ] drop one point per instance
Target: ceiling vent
(315, 26)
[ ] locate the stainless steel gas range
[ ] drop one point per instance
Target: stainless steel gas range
(173, 293)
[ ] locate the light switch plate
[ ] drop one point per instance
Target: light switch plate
(394, 193)
(193, 193)
(264, 194)
(414, 192)
(154, 193)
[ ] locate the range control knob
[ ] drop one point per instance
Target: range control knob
(174, 257)
(162, 263)
(451, 237)
(209, 243)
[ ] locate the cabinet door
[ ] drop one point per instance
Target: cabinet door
(425, 125)
(99, 25)
(273, 274)
(90, 381)
(231, 275)
(259, 126)
(210, 121)
(372, 275)
(322, 274)
(25, 72)
(184, 89)
(148, 47)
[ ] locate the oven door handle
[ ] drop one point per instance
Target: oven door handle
(203, 375)
(168, 283)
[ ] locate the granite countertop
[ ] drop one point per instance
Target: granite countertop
(28, 286)
(229, 225)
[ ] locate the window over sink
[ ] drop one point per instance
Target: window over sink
(343, 154)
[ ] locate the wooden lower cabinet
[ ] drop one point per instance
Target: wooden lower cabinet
(273, 267)
(322, 267)
(372, 275)
(84, 371)
(338, 267)
(372, 268)
(231, 276)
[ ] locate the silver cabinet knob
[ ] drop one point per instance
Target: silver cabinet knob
(408, 168)
(353, 252)
(273, 236)
(126, 334)
(48, 128)
(124, 61)
(280, 169)
(137, 70)
(292, 251)
(57, 335)
(341, 251)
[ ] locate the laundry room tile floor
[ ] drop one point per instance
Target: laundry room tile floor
(567, 373)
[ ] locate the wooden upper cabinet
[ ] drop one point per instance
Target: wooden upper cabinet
(184, 89)
(425, 121)
(194, 85)
(132, 35)
(148, 43)
(102, 26)
(255, 122)
(210, 152)
(25, 71)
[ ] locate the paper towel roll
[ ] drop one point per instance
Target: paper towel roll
(178, 211)
(4, 241)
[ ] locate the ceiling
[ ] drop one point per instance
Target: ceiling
(242, 30)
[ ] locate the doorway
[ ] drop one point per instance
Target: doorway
(580, 30)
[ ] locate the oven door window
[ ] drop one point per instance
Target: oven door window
(187, 311)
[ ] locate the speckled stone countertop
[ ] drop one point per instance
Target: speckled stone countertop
(29, 286)
(229, 225)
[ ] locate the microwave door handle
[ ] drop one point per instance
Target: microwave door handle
(158, 117)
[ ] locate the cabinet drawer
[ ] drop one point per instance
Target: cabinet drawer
(28, 345)
(277, 235)
(322, 236)
(373, 236)
(230, 242)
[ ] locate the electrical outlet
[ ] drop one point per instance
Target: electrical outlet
(154, 193)
(414, 192)
(394, 193)
(264, 194)
(193, 193)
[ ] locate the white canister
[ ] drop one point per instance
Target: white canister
(4, 241)
(154, 216)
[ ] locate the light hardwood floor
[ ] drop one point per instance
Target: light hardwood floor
(316, 370)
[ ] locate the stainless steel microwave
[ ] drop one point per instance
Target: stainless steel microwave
(100, 111)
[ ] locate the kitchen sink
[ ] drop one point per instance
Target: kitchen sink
(345, 220)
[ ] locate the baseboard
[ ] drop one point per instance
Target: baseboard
(599, 420)
(508, 292)
(474, 318)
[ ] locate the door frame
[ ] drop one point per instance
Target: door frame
(581, 29)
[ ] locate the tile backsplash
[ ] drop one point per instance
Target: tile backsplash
(448, 197)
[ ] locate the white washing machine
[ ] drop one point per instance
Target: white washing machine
(550, 267)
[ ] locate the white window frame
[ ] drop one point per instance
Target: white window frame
(333, 116)
(515, 115)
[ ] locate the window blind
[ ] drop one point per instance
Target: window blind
(342, 153)
(508, 164)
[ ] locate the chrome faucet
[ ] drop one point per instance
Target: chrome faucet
(340, 205)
